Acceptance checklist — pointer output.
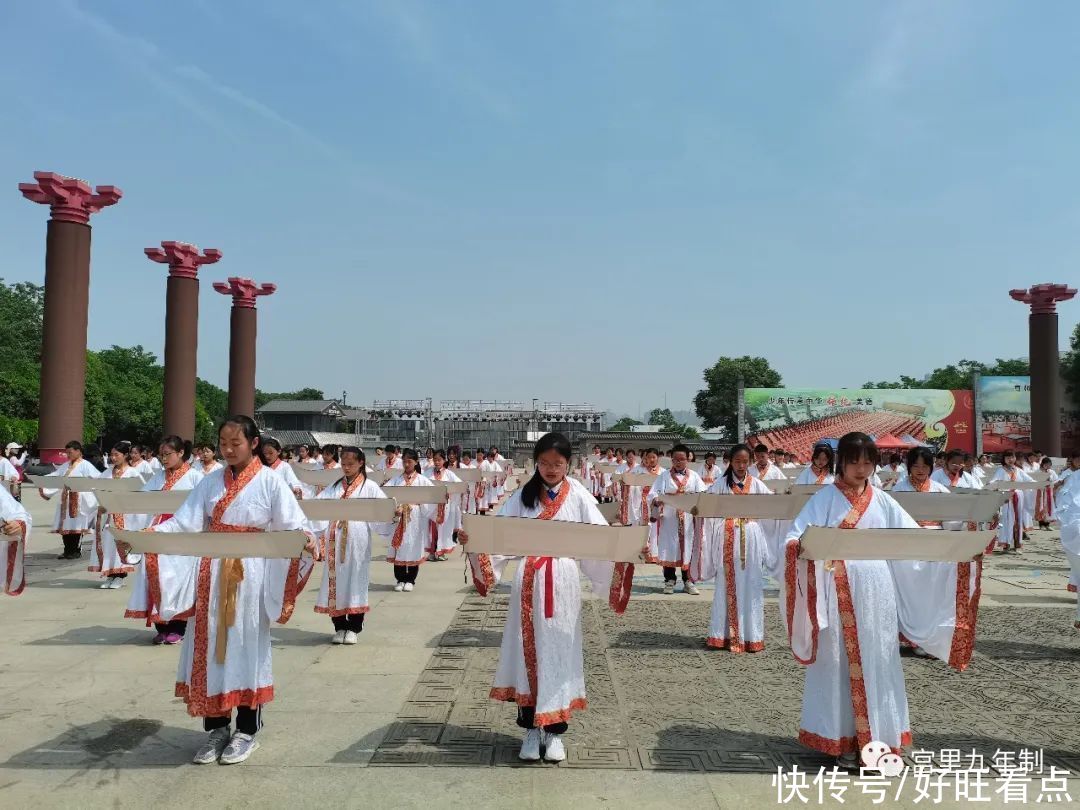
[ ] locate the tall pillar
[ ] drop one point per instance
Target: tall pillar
(1045, 363)
(67, 300)
(243, 327)
(181, 331)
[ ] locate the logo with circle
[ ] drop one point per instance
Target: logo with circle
(877, 756)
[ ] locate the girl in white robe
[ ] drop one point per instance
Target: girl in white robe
(271, 457)
(345, 548)
(630, 497)
(141, 465)
(843, 618)
(412, 533)
(76, 513)
(446, 521)
(1068, 514)
(15, 526)
(225, 656)
(710, 471)
(145, 600)
(1010, 534)
(1044, 497)
(737, 552)
(675, 528)
(106, 558)
(820, 471)
(540, 661)
(650, 463)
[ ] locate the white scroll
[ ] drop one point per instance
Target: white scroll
(803, 489)
(1014, 485)
(978, 506)
(932, 545)
(457, 487)
(218, 545)
(108, 484)
(367, 510)
(143, 503)
(490, 476)
(605, 467)
(639, 479)
(527, 537)
(684, 502)
(47, 481)
(1040, 476)
(319, 478)
(436, 493)
(761, 507)
(778, 485)
(469, 475)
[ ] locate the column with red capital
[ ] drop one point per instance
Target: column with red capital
(181, 331)
(242, 336)
(67, 299)
(1045, 363)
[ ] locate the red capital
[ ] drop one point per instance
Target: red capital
(184, 260)
(243, 291)
(71, 199)
(1043, 298)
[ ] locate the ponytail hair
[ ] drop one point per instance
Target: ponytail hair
(530, 493)
(729, 473)
(177, 445)
(245, 423)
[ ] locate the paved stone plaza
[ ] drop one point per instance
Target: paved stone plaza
(88, 716)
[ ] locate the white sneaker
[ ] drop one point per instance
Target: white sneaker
(555, 750)
(399, 587)
(408, 587)
(240, 747)
(530, 748)
(211, 751)
(116, 583)
(669, 587)
(338, 637)
(349, 638)
(690, 588)
(106, 585)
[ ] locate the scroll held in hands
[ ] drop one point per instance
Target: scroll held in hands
(979, 506)
(1015, 485)
(217, 545)
(458, 487)
(605, 468)
(526, 537)
(930, 545)
(638, 479)
(469, 475)
(436, 493)
(684, 502)
(143, 503)
(779, 485)
(760, 507)
(100, 484)
(366, 510)
(319, 478)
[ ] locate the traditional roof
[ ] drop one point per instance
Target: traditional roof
(289, 438)
(328, 407)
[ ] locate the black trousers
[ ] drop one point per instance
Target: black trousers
(248, 720)
(353, 621)
(406, 573)
(177, 626)
(72, 543)
(669, 574)
(526, 718)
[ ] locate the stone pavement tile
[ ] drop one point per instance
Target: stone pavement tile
(368, 658)
(563, 787)
(337, 693)
(301, 738)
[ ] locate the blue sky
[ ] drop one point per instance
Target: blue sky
(572, 200)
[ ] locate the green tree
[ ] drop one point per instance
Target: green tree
(132, 385)
(262, 397)
(1070, 366)
(958, 376)
(664, 417)
(717, 404)
(624, 425)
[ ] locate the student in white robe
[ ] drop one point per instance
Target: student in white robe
(986, 467)
(225, 656)
(844, 618)
(820, 471)
(469, 504)
(736, 551)
(412, 532)
(207, 461)
(973, 470)
(675, 528)
(428, 461)
(650, 463)
(1044, 497)
(953, 473)
(486, 489)
(710, 472)
(15, 526)
(76, 514)
(106, 557)
(446, 521)
(8, 473)
(540, 661)
(1030, 465)
(391, 459)
(630, 497)
(271, 457)
(177, 474)
(896, 467)
(1068, 514)
(763, 468)
(1010, 533)
(345, 548)
(140, 464)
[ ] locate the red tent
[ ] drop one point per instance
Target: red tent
(890, 442)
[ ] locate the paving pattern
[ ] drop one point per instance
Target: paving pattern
(659, 700)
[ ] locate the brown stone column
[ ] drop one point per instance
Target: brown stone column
(67, 300)
(181, 332)
(242, 337)
(1045, 363)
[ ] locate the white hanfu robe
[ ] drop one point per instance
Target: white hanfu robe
(106, 558)
(675, 528)
(144, 469)
(771, 473)
(630, 499)
(214, 678)
(1011, 517)
(1027, 497)
(486, 489)
(13, 547)
(447, 517)
(737, 552)
(810, 476)
(345, 548)
(285, 470)
(77, 511)
(1068, 513)
(540, 659)
(847, 613)
(412, 533)
(1044, 500)
(146, 591)
(710, 475)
